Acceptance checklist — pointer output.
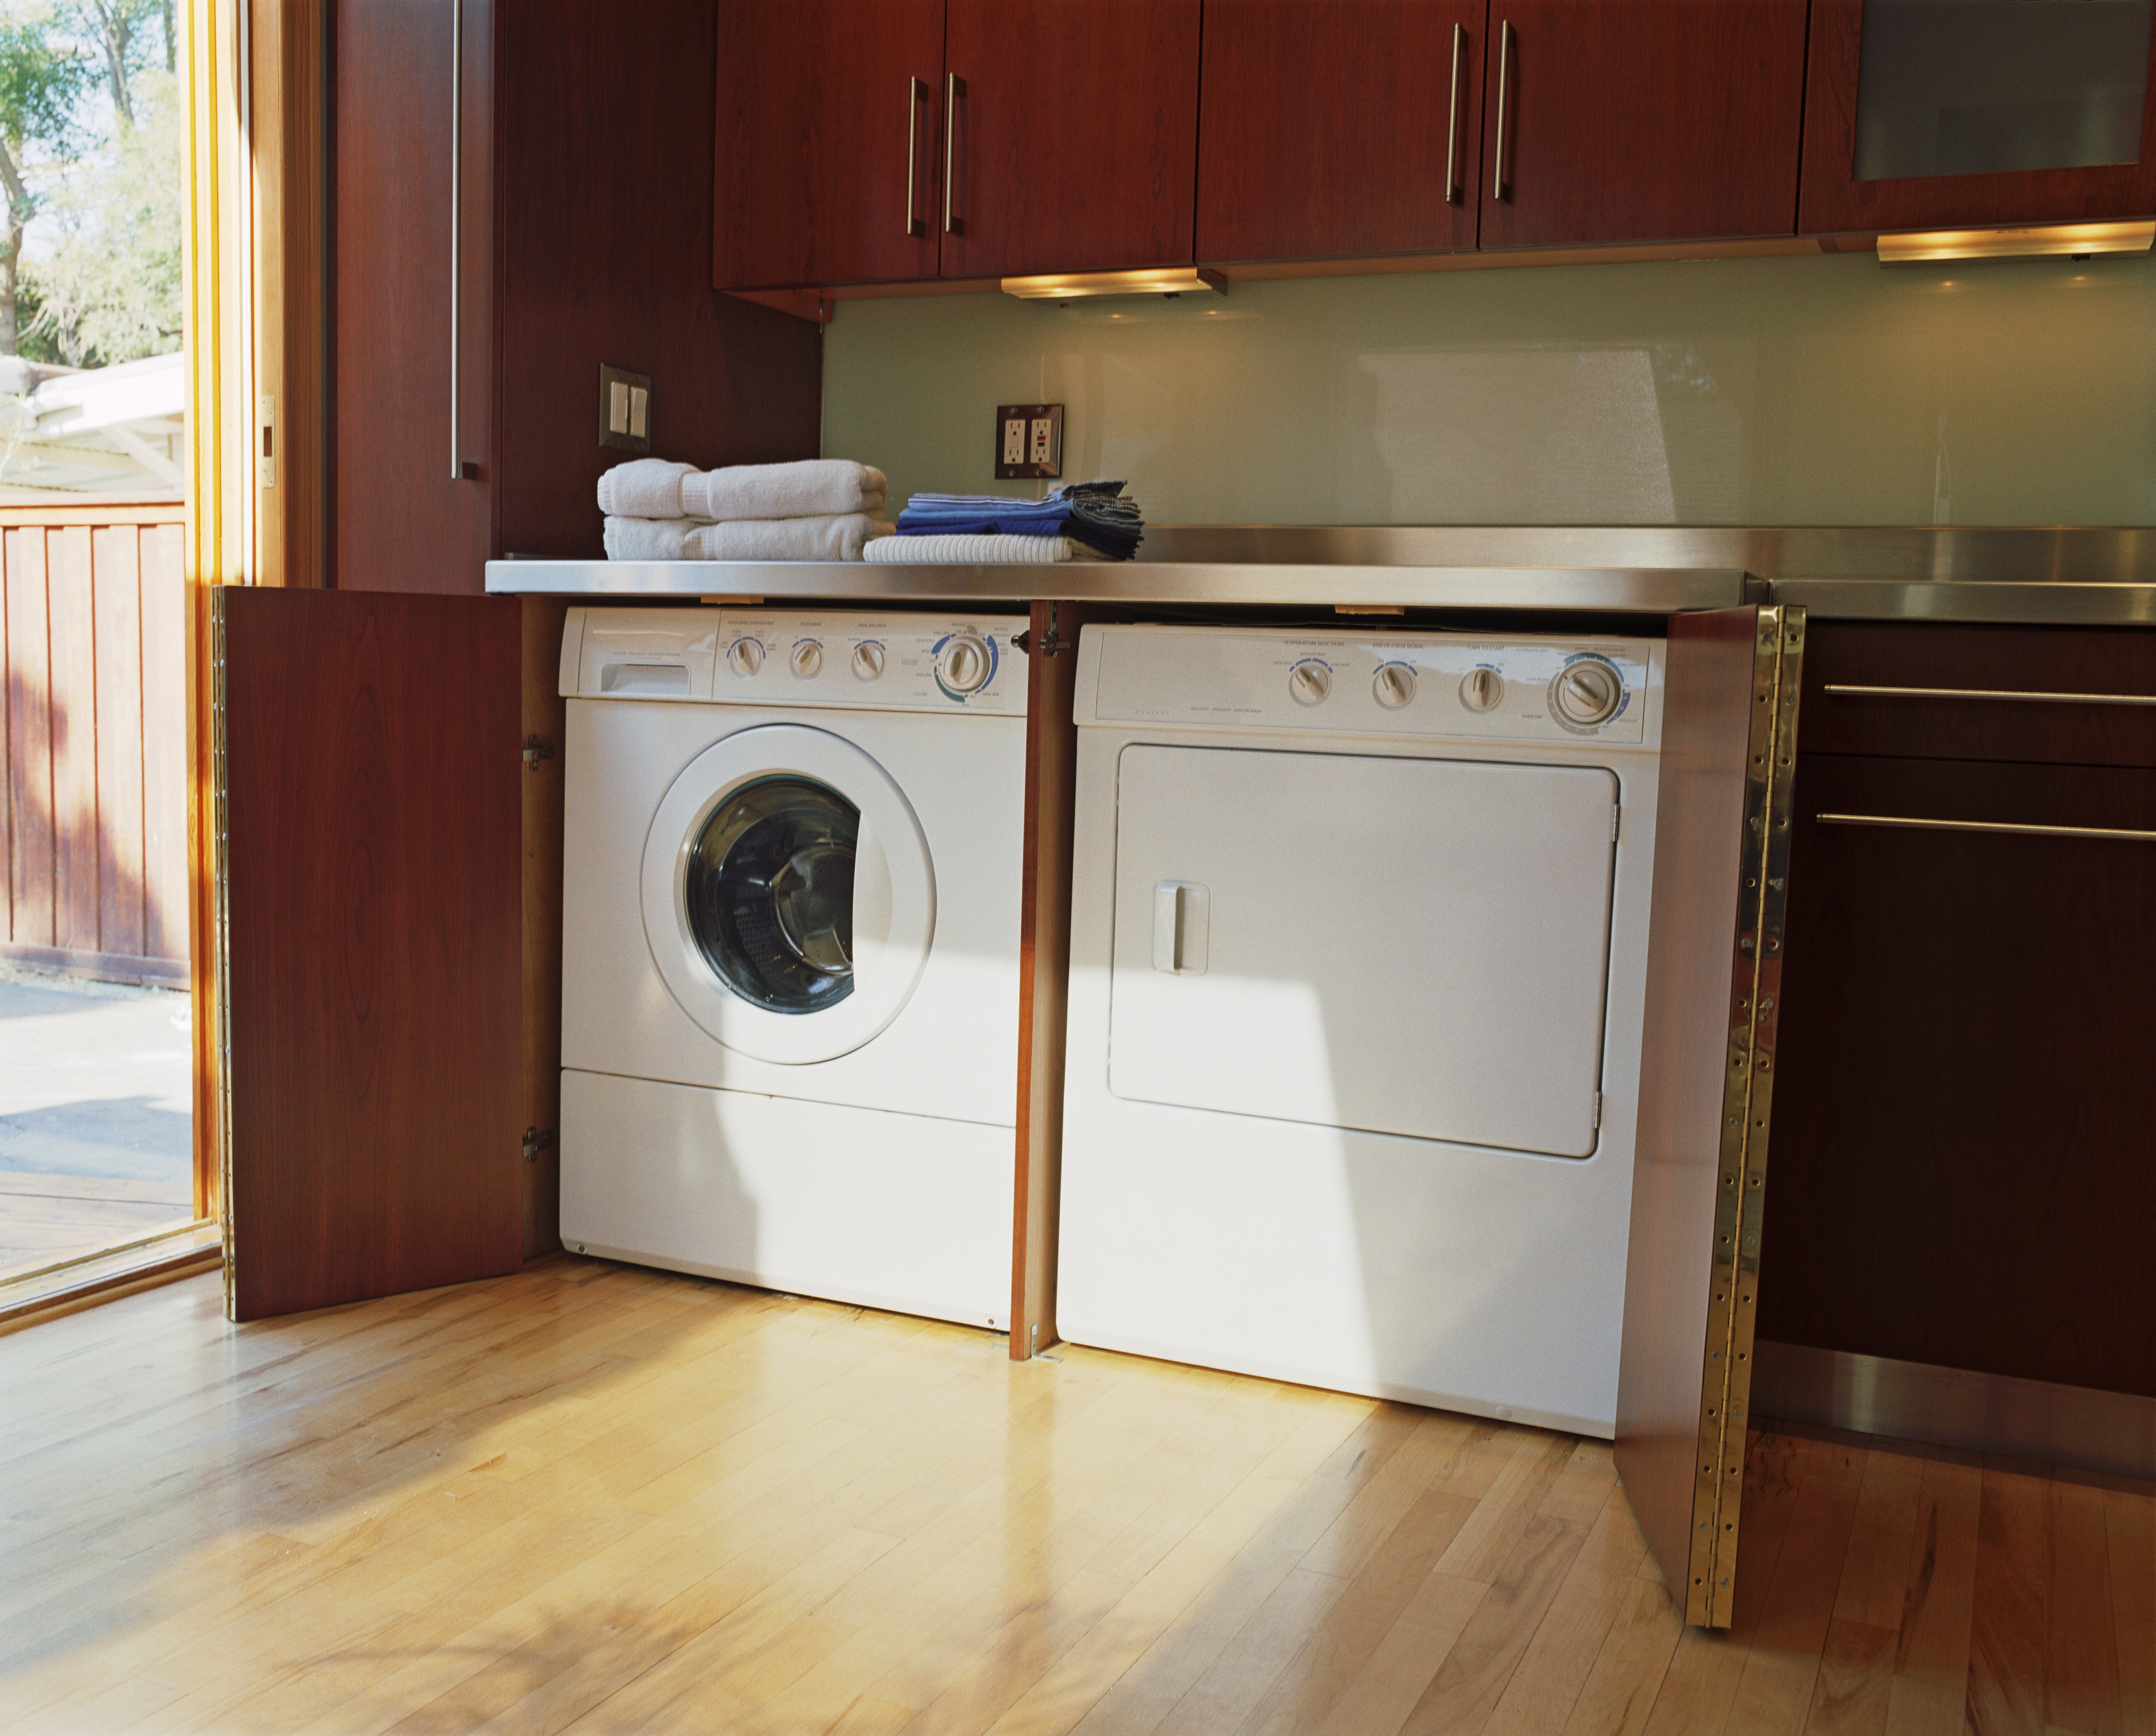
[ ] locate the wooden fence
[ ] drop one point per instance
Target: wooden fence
(93, 744)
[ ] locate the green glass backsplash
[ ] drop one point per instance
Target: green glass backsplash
(1795, 391)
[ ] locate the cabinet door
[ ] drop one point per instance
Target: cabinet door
(1946, 112)
(830, 134)
(1074, 136)
(368, 915)
(1640, 120)
(1339, 128)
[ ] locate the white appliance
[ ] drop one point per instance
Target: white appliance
(790, 927)
(1358, 945)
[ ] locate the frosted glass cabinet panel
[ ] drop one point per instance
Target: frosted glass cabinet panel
(1921, 113)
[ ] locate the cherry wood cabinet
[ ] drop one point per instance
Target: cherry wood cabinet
(1340, 128)
(830, 138)
(1949, 117)
(1074, 134)
(1615, 120)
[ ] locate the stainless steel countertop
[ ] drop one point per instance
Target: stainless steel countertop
(2088, 577)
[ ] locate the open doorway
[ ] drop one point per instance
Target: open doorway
(96, 1116)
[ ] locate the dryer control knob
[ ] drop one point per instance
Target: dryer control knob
(868, 660)
(744, 656)
(966, 664)
(1393, 684)
(1586, 692)
(808, 661)
(1481, 689)
(1310, 682)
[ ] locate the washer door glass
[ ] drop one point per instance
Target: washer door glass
(769, 893)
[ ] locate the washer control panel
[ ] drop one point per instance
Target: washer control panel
(894, 661)
(1513, 687)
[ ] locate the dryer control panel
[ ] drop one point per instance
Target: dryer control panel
(892, 661)
(1462, 686)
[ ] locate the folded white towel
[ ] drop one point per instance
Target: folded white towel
(649, 539)
(965, 548)
(828, 537)
(812, 488)
(644, 488)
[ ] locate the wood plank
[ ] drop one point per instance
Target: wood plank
(74, 740)
(117, 608)
(165, 917)
(1479, 1667)
(2129, 1512)
(2080, 1654)
(2011, 1614)
(29, 741)
(1620, 1690)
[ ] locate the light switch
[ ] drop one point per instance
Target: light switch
(617, 407)
(639, 412)
(1029, 439)
(625, 409)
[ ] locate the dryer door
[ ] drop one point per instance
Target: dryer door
(788, 896)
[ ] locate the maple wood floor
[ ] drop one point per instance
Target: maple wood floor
(594, 1498)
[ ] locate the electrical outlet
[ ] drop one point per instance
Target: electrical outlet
(1029, 440)
(625, 409)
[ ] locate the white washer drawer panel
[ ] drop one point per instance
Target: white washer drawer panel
(1405, 945)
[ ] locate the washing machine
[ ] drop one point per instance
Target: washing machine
(1359, 951)
(790, 929)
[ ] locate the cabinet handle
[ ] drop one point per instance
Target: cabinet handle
(954, 88)
(914, 88)
(1501, 186)
(1452, 188)
(2047, 699)
(1986, 826)
(456, 214)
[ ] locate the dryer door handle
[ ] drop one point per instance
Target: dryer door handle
(1182, 915)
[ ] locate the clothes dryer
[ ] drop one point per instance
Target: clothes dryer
(1358, 944)
(790, 924)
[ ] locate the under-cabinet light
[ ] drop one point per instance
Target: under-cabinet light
(1172, 280)
(2058, 237)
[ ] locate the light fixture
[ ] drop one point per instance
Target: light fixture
(1168, 281)
(2058, 237)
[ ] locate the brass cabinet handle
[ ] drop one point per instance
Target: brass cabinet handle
(456, 214)
(2047, 699)
(1452, 188)
(1986, 826)
(954, 88)
(1500, 187)
(914, 224)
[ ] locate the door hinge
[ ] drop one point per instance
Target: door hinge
(535, 750)
(536, 1140)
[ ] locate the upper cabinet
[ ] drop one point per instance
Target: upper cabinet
(1642, 120)
(1340, 128)
(1926, 113)
(830, 140)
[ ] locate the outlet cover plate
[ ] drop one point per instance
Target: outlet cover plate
(1029, 440)
(625, 409)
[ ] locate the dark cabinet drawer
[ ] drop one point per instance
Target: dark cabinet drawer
(1962, 1163)
(2055, 694)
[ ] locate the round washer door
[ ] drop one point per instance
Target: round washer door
(788, 896)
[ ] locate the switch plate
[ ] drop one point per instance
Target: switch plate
(625, 409)
(1029, 440)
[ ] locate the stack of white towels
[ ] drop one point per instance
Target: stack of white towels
(820, 509)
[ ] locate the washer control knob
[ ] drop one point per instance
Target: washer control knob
(808, 661)
(1586, 692)
(744, 656)
(868, 660)
(1393, 684)
(966, 664)
(1481, 689)
(1311, 682)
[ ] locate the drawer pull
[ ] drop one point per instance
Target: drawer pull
(2047, 699)
(1452, 188)
(1986, 826)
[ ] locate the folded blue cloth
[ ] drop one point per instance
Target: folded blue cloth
(1093, 513)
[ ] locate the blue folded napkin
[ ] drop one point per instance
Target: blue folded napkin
(1094, 513)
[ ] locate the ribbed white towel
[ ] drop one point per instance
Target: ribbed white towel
(644, 488)
(829, 536)
(649, 539)
(975, 549)
(811, 488)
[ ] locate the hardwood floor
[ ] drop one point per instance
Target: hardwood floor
(588, 1497)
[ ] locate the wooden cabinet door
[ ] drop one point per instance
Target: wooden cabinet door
(829, 138)
(1074, 136)
(367, 774)
(1339, 128)
(2014, 103)
(1610, 120)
